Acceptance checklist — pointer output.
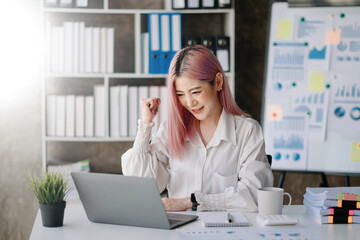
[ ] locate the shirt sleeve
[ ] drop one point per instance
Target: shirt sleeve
(145, 159)
(253, 172)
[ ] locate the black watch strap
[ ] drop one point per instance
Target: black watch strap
(194, 202)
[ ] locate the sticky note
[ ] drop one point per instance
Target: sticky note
(284, 29)
(275, 113)
(316, 82)
(355, 152)
(333, 36)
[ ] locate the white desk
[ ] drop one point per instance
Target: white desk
(77, 226)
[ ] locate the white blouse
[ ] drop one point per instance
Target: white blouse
(224, 175)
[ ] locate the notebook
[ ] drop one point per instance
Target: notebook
(220, 219)
(123, 200)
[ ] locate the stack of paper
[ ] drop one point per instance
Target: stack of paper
(334, 205)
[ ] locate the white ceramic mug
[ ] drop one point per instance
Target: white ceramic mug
(270, 200)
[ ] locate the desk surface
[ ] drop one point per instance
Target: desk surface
(77, 226)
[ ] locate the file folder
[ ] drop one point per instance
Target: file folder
(89, 116)
(70, 115)
(133, 110)
(114, 111)
(193, 4)
(222, 44)
(60, 115)
(165, 54)
(224, 4)
(124, 111)
(175, 30)
(65, 3)
(154, 37)
(52, 3)
(82, 3)
(190, 41)
(208, 42)
(145, 52)
(178, 4)
(79, 116)
(208, 4)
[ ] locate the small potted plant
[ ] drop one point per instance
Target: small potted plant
(51, 189)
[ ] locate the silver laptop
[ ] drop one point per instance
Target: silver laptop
(123, 200)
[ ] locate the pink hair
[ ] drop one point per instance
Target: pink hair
(196, 62)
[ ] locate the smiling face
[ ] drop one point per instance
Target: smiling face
(199, 97)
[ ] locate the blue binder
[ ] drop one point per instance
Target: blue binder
(176, 36)
(154, 42)
(165, 42)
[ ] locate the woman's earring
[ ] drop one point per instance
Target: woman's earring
(219, 89)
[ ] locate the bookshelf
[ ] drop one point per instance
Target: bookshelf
(128, 19)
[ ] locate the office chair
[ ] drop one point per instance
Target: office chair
(269, 158)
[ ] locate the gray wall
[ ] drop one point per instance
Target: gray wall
(20, 120)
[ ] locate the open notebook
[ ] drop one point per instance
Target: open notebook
(220, 219)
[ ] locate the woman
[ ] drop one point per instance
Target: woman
(208, 149)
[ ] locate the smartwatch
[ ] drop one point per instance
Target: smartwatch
(194, 202)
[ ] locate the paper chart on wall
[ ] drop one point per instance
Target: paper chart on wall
(314, 107)
(287, 69)
(344, 109)
(253, 233)
(313, 68)
(287, 142)
(312, 31)
(346, 55)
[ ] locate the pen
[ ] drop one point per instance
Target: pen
(230, 218)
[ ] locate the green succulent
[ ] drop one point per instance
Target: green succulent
(51, 188)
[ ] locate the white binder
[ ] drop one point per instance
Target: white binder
(110, 50)
(82, 44)
(133, 110)
(96, 50)
(60, 116)
(88, 50)
(99, 95)
(51, 115)
(70, 116)
(80, 116)
(124, 111)
(68, 46)
(89, 116)
(175, 33)
(114, 111)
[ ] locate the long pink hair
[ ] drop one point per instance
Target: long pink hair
(196, 62)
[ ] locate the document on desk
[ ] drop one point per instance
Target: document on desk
(223, 219)
(253, 233)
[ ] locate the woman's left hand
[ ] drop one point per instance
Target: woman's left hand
(176, 204)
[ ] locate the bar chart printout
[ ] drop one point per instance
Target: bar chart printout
(344, 109)
(314, 107)
(287, 68)
(287, 142)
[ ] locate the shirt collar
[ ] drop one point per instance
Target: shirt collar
(224, 131)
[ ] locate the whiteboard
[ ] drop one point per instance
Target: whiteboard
(311, 100)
